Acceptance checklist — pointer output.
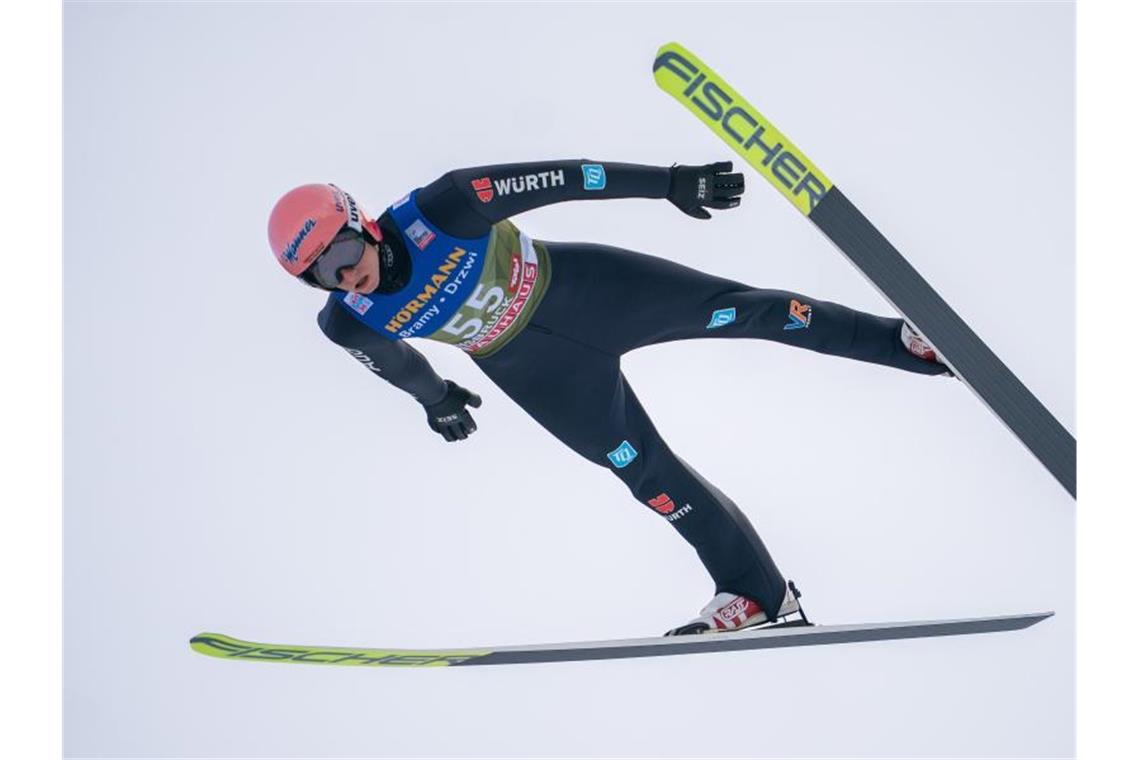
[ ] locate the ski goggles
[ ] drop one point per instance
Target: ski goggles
(346, 250)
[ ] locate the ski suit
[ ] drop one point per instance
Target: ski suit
(549, 322)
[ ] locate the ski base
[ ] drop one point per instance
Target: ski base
(228, 648)
(962, 350)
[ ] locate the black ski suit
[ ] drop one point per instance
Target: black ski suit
(564, 366)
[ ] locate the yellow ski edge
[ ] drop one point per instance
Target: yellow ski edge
(228, 648)
(736, 121)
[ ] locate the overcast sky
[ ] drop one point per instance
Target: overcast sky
(229, 469)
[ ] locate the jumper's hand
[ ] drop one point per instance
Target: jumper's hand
(695, 188)
(449, 416)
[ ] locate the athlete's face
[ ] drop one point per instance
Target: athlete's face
(364, 276)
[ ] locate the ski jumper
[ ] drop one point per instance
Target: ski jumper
(549, 322)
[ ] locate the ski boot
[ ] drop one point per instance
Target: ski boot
(918, 346)
(732, 612)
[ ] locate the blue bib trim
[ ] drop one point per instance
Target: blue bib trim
(445, 270)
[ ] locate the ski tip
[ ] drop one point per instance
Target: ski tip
(228, 648)
(213, 644)
(669, 50)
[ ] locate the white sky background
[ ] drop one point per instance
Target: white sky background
(229, 469)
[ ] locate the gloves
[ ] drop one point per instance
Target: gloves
(691, 188)
(449, 416)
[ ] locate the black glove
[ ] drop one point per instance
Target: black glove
(449, 416)
(692, 188)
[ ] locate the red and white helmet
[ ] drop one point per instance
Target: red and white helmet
(307, 218)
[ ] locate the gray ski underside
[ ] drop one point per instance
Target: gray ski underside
(771, 638)
(970, 359)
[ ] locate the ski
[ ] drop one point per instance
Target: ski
(788, 169)
(228, 648)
